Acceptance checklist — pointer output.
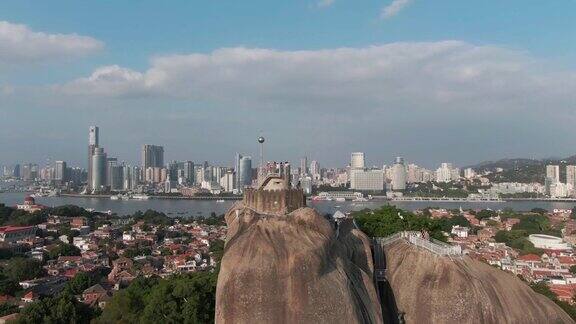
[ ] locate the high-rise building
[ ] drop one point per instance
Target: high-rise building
(127, 177)
(116, 177)
(357, 160)
(304, 166)
(94, 136)
(315, 170)
(553, 173)
(398, 174)
(415, 174)
(152, 156)
(245, 172)
(188, 171)
(93, 143)
(227, 181)
(370, 180)
(446, 173)
(99, 165)
(469, 173)
(571, 175)
(111, 162)
(30, 171)
(60, 171)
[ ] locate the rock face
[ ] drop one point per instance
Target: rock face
(433, 289)
(294, 268)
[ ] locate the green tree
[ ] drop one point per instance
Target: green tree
(388, 220)
(188, 298)
(536, 224)
(486, 213)
(19, 269)
(61, 309)
(8, 286)
(573, 269)
(63, 249)
(7, 309)
(217, 249)
(182, 299)
(127, 305)
(80, 282)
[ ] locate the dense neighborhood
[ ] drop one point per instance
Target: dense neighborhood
(48, 251)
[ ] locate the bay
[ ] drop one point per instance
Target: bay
(195, 208)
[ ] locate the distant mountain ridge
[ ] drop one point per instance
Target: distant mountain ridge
(522, 169)
(509, 163)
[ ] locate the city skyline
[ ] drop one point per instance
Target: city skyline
(427, 81)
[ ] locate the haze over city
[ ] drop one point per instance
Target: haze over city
(429, 81)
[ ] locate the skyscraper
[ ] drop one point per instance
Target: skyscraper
(111, 162)
(245, 171)
(116, 177)
(93, 142)
(304, 166)
(237, 159)
(447, 172)
(99, 164)
(357, 160)
(571, 175)
(60, 171)
(188, 168)
(94, 136)
(315, 170)
(152, 156)
(553, 173)
(398, 174)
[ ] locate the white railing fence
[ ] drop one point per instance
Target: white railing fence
(432, 245)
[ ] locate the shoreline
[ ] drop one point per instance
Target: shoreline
(107, 196)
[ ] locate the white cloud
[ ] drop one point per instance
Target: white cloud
(325, 3)
(19, 44)
(394, 8)
(428, 76)
(108, 81)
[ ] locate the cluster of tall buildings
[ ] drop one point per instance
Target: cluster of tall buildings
(58, 173)
(396, 176)
(107, 174)
(554, 187)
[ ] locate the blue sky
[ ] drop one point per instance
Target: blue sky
(207, 102)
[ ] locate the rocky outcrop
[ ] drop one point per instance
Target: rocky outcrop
(433, 289)
(294, 268)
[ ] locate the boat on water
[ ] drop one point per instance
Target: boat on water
(340, 199)
(140, 197)
(360, 199)
(114, 197)
(220, 200)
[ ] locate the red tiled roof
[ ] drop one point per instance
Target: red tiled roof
(564, 291)
(566, 260)
(7, 229)
(70, 273)
(5, 298)
(529, 257)
(64, 258)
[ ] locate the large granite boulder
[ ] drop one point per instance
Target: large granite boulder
(294, 268)
(432, 289)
